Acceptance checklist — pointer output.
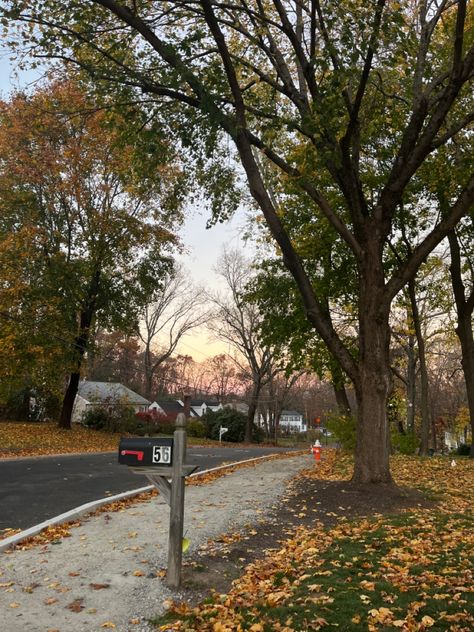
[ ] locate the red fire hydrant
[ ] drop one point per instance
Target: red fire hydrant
(316, 449)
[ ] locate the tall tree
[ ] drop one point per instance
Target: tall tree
(344, 101)
(93, 223)
(174, 310)
(238, 323)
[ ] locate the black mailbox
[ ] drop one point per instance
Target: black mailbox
(144, 451)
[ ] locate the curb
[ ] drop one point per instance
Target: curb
(7, 543)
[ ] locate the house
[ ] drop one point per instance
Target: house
(105, 394)
(170, 408)
(292, 421)
(201, 406)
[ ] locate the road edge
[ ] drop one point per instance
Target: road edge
(89, 507)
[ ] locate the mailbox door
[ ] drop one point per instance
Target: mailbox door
(143, 451)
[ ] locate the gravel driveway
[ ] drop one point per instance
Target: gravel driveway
(105, 575)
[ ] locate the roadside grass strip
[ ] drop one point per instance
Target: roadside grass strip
(411, 571)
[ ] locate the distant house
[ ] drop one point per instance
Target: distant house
(201, 406)
(290, 421)
(170, 408)
(105, 394)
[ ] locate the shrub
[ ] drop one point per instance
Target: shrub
(196, 428)
(116, 418)
(343, 429)
(405, 443)
(463, 449)
(234, 421)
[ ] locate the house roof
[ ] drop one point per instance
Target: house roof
(103, 391)
(291, 412)
(199, 402)
(170, 406)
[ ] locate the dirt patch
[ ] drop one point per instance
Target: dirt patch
(307, 503)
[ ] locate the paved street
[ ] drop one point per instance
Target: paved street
(33, 490)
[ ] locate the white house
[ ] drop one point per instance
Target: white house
(105, 394)
(290, 421)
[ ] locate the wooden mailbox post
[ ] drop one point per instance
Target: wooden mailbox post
(162, 462)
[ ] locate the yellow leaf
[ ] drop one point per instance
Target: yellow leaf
(14, 605)
(427, 621)
(185, 545)
(108, 624)
(138, 573)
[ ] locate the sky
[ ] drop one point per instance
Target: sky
(202, 247)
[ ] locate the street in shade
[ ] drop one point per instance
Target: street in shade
(37, 489)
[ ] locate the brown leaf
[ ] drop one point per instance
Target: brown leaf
(99, 586)
(76, 605)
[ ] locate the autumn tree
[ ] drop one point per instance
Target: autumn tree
(342, 102)
(81, 200)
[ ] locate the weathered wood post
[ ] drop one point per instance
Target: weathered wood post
(175, 550)
(161, 460)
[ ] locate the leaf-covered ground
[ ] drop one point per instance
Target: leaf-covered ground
(406, 564)
(32, 439)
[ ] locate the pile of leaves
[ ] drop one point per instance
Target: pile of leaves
(45, 438)
(410, 571)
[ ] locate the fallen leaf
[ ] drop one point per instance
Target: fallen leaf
(76, 605)
(99, 586)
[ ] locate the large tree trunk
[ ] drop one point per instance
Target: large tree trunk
(374, 383)
(253, 406)
(80, 346)
(464, 309)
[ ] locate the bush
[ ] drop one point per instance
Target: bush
(196, 428)
(110, 419)
(343, 430)
(405, 443)
(463, 449)
(157, 422)
(235, 423)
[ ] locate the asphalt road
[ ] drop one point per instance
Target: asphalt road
(36, 489)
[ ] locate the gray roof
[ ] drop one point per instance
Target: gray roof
(107, 391)
(291, 412)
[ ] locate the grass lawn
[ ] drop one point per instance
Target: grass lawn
(42, 438)
(410, 571)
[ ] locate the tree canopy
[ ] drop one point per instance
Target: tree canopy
(337, 109)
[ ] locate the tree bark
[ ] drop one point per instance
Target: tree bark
(464, 309)
(253, 406)
(80, 347)
(425, 412)
(374, 382)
